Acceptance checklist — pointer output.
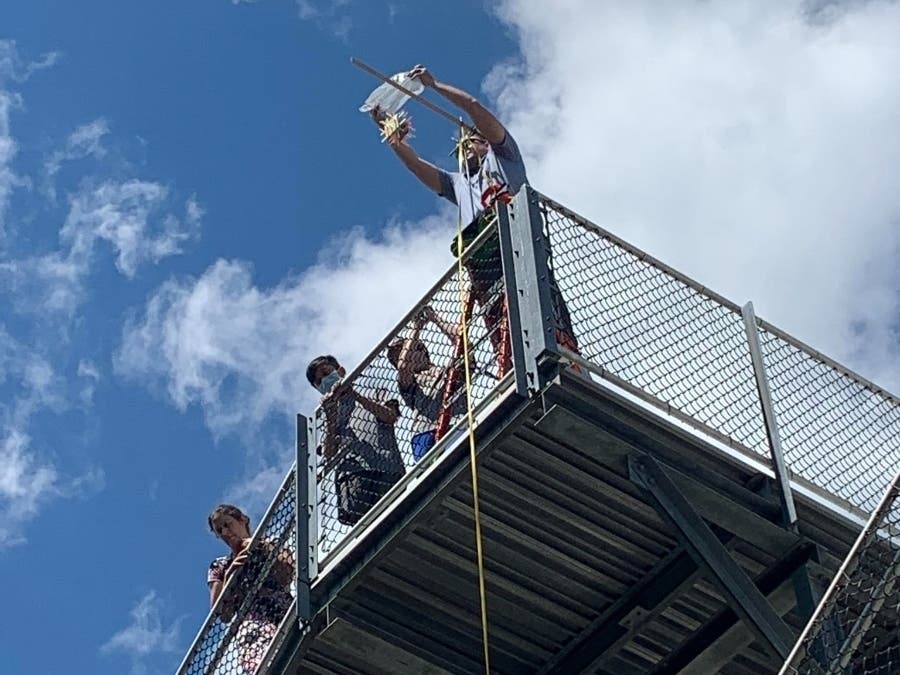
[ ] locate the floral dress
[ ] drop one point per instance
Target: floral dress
(259, 624)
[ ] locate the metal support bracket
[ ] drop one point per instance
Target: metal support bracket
(708, 552)
(307, 554)
(525, 254)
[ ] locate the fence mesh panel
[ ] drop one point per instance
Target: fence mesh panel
(669, 337)
(855, 632)
(654, 331)
(837, 433)
(409, 394)
(240, 630)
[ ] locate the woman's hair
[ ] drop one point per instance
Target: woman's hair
(227, 510)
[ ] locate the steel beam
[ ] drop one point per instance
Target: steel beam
(526, 252)
(708, 552)
(708, 634)
(616, 626)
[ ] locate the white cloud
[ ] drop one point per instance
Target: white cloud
(255, 491)
(132, 217)
(90, 376)
(121, 214)
(148, 633)
(9, 181)
(240, 352)
(742, 142)
(329, 15)
(85, 141)
(14, 69)
(27, 479)
(25, 484)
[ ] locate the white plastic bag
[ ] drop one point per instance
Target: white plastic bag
(390, 99)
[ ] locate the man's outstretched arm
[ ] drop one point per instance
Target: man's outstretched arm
(426, 172)
(484, 120)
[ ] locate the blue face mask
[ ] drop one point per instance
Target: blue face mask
(328, 382)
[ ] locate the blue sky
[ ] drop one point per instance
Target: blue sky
(248, 113)
(191, 207)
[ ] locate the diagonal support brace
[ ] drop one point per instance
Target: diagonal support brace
(700, 542)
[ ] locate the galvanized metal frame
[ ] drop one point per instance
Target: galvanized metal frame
(513, 300)
(716, 297)
(622, 620)
(699, 540)
(525, 250)
(307, 555)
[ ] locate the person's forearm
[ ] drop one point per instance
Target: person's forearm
(427, 173)
(484, 120)
(449, 331)
(458, 97)
(405, 375)
(382, 412)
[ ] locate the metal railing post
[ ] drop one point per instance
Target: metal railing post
(807, 597)
(525, 251)
(307, 548)
(782, 476)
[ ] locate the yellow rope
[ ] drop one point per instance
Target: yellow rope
(479, 552)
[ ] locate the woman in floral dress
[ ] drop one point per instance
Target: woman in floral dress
(271, 596)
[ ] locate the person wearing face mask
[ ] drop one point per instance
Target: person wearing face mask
(359, 440)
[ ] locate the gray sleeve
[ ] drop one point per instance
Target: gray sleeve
(508, 149)
(447, 190)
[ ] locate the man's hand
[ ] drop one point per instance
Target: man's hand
(421, 72)
(395, 138)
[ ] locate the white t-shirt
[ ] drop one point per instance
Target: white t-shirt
(502, 167)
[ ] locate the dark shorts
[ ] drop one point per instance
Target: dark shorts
(485, 269)
(359, 491)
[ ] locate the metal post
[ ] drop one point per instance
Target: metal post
(807, 596)
(525, 253)
(782, 477)
(307, 548)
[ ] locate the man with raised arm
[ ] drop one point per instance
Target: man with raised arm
(491, 170)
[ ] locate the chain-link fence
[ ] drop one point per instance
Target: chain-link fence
(255, 601)
(684, 348)
(855, 631)
(409, 394)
